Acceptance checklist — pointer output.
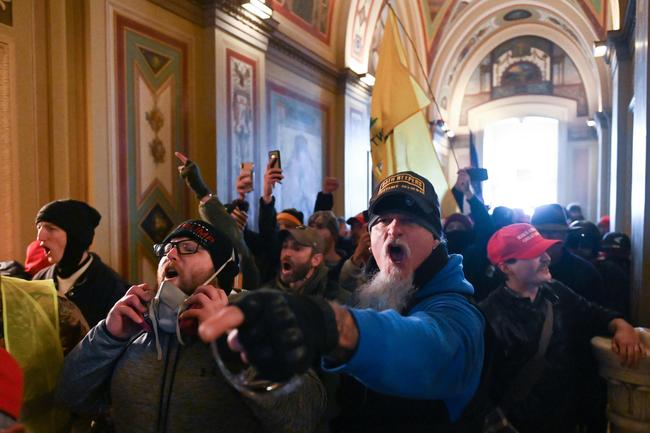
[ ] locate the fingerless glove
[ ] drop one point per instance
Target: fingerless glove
(284, 334)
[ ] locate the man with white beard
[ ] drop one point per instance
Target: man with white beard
(415, 343)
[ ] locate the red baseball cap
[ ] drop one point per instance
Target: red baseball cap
(517, 241)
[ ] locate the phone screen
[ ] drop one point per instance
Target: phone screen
(274, 157)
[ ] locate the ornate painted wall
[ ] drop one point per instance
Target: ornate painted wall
(525, 65)
(151, 76)
(243, 120)
(298, 127)
(6, 134)
(313, 16)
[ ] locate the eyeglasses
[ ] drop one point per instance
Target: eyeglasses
(183, 247)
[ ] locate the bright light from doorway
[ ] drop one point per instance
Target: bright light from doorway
(521, 155)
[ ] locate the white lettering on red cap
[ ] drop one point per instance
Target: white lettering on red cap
(527, 235)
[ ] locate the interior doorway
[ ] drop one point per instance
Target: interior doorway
(521, 155)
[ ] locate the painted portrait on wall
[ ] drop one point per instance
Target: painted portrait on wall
(297, 127)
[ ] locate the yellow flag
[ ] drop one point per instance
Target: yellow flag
(400, 136)
(31, 333)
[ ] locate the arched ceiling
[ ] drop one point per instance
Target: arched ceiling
(455, 35)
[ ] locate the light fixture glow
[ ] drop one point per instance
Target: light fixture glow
(368, 79)
(591, 123)
(600, 48)
(258, 8)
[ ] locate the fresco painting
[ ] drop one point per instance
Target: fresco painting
(298, 128)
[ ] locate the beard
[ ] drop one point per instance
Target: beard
(299, 272)
(386, 291)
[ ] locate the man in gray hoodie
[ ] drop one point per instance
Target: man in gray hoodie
(145, 361)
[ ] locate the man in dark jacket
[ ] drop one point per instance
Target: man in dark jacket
(517, 312)
(66, 229)
(478, 269)
(584, 241)
(302, 265)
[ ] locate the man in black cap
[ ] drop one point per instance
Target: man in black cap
(146, 361)
(415, 343)
(65, 229)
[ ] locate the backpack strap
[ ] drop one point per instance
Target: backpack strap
(530, 373)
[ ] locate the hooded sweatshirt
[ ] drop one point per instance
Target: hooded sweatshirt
(433, 351)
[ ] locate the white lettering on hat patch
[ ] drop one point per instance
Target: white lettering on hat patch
(401, 181)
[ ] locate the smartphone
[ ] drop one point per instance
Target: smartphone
(247, 168)
(274, 157)
(477, 174)
(242, 205)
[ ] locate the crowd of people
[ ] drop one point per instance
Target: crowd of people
(394, 320)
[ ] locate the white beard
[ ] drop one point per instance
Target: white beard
(386, 291)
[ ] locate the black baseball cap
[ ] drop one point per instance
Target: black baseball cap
(408, 193)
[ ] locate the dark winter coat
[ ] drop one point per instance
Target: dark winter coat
(95, 291)
(552, 405)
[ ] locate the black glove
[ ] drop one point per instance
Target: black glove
(192, 176)
(283, 334)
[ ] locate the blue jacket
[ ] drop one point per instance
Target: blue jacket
(433, 352)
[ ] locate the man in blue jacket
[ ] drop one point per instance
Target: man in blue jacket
(415, 343)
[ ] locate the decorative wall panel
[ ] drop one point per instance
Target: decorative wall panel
(6, 12)
(6, 205)
(151, 76)
(298, 127)
(241, 75)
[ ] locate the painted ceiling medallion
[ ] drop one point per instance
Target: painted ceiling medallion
(517, 14)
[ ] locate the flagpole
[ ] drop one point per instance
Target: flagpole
(431, 95)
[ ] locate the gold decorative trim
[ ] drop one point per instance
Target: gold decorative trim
(6, 170)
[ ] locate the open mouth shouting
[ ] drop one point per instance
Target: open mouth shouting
(286, 267)
(397, 251)
(170, 272)
(50, 254)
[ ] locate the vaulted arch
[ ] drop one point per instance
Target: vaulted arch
(482, 27)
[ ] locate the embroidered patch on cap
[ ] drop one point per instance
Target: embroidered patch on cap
(406, 181)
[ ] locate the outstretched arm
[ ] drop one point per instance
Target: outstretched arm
(213, 211)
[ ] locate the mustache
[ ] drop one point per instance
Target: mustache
(398, 243)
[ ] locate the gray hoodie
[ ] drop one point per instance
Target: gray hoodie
(185, 392)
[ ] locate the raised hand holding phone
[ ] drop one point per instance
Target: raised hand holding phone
(272, 175)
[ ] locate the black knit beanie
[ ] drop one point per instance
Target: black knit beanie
(217, 244)
(78, 220)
